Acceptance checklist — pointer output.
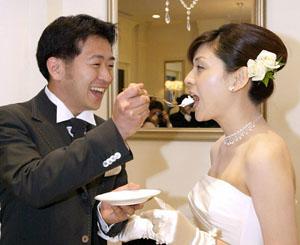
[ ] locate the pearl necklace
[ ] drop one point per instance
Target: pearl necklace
(241, 133)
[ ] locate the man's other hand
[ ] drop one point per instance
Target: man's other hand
(115, 214)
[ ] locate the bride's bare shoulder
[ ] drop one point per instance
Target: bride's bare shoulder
(268, 166)
(267, 150)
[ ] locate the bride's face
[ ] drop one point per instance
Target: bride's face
(206, 82)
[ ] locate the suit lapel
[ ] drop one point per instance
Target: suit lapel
(44, 113)
(56, 135)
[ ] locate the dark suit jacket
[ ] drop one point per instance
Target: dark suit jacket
(178, 121)
(42, 174)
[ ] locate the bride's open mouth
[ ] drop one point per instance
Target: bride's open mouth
(196, 100)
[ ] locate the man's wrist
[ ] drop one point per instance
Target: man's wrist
(122, 132)
(102, 223)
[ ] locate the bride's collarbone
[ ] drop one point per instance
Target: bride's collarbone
(231, 169)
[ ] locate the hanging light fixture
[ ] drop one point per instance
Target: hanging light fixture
(240, 5)
(167, 15)
(188, 12)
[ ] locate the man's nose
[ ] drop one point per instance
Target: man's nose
(105, 74)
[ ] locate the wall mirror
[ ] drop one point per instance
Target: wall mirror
(174, 70)
(173, 80)
(152, 51)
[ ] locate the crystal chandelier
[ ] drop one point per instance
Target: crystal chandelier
(240, 5)
(188, 12)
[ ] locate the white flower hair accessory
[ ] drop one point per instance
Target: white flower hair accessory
(263, 67)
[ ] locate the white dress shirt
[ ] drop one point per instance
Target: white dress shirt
(64, 114)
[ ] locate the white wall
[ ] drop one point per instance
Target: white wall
(171, 166)
(284, 106)
(19, 33)
(21, 25)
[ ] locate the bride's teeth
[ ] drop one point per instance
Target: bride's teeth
(195, 98)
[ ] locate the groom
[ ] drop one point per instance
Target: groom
(55, 154)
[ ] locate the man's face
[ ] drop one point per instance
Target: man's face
(88, 75)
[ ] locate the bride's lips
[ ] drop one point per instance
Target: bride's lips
(196, 100)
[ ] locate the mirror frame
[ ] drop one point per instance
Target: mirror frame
(204, 134)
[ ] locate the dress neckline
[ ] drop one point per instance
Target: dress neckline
(229, 185)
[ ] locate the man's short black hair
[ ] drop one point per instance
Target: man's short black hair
(62, 37)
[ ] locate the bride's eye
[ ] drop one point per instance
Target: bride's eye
(199, 67)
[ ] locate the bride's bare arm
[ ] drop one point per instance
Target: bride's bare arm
(270, 180)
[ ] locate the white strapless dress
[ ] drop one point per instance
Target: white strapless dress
(217, 204)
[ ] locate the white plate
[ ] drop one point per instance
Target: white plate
(127, 197)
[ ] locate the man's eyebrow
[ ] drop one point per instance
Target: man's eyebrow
(98, 56)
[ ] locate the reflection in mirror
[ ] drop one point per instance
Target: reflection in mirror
(154, 52)
(174, 71)
(173, 80)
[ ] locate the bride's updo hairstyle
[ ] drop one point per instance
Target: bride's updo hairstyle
(235, 44)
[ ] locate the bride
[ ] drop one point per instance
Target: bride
(248, 195)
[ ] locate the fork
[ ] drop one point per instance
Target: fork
(168, 103)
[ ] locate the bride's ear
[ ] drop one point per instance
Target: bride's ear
(239, 79)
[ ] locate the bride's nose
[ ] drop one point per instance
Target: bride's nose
(189, 79)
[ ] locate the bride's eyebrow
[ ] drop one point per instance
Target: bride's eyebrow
(198, 58)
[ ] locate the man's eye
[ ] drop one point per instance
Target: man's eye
(96, 64)
(111, 65)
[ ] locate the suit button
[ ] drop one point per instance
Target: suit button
(84, 196)
(109, 161)
(105, 163)
(85, 239)
(113, 158)
(117, 155)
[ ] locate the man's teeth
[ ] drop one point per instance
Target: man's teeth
(96, 89)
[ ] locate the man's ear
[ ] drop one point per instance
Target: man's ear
(239, 80)
(56, 68)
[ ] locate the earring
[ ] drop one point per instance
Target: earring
(231, 88)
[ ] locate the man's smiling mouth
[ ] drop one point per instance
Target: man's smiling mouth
(97, 90)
